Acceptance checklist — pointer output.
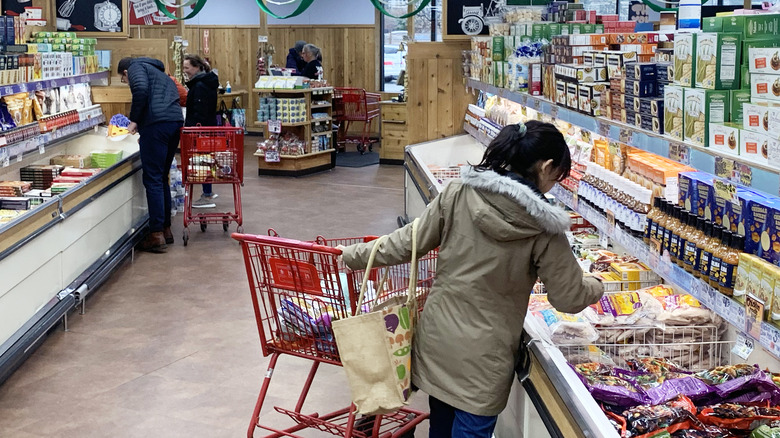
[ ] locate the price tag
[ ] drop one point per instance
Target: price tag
(4, 156)
(610, 218)
(724, 167)
(680, 152)
(177, 39)
(524, 99)
(554, 111)
(743, 347)
(274, 126)
(262, 38)
(743, 174)
(23, 87)
(603, 239)
(41, 148)
(272, 156)
(626, 135)
(536, 104)
(20, 156)
(754, 316)
(603, 128)
(7, 91)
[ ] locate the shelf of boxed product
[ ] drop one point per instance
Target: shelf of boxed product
(45, 84)
(39, 143)
(761, 177)
(728, 308)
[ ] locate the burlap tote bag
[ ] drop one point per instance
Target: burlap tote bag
(376, 347)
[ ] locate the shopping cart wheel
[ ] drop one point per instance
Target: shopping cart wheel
(186, 236)
(371, 147)
(240, 229)
(225, 226)
(203, 227)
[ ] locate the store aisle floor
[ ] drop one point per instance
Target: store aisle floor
(168, 346)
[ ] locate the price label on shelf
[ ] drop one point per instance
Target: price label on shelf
(274, 126)
(680, 152)
(23, 87)
(603, 239)
(5, 157)
(724, 167)
(536, 104)
(743, 174)
(524, 99)
(272, 156)
(604, 128)
(743, 347)
(41, 147)
(554, 110)
(626, 135)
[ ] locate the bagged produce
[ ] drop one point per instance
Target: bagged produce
(606, 386)
(648, 421)
(565, 328)
(738, 417)
(766, 432)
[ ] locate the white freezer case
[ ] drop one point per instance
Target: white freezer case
(553, 394)
(71, 238)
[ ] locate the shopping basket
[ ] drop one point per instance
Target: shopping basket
(297, 289)
(212, 155)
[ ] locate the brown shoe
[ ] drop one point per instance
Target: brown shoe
(168, 234)
(154, 242)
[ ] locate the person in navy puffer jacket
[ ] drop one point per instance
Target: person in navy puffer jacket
(155, 113)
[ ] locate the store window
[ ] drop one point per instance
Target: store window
(397, 33)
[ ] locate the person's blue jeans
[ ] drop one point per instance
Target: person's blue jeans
(449, 422)
(158, 145)
(207, 189)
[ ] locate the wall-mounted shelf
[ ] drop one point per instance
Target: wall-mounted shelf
(284, 125)
(761, 177)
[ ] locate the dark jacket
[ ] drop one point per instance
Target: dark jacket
(202, 100)
(295, 61)
(155, 97)
(310, 71)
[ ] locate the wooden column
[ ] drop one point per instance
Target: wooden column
(436, 94)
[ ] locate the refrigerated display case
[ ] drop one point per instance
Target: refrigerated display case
(54, 255)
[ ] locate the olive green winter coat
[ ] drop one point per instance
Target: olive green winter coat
(495, 237)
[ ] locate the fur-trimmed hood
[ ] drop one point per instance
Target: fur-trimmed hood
(517, 212)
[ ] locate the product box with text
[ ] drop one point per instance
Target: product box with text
(718, 61)
(701, 108)
(684, 59)
(674, 100)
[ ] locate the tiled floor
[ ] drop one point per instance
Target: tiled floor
(169, 346)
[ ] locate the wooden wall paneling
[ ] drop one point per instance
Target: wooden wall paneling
(436, 94)
(120, 48)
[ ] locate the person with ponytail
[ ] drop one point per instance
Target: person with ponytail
(496, 235)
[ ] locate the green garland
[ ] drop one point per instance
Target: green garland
(422, 6)
(198, 6)
(301, 7)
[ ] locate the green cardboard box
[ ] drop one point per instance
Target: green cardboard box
(537, 31)
(588, 28)
(736, 99)
(718, 60)
(701, 108)
(555, 29)
(752, 26)
(684, 59)
(576, 28)
(745, 77)
(599, 28)
(712, 24)
(674, 100)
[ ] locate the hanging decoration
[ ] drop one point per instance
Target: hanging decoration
(196, 5)
(379, 5)
(298, 11)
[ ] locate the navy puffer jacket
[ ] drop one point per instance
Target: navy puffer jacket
(155, 97)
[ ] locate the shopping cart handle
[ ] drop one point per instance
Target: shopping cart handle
(287, 243)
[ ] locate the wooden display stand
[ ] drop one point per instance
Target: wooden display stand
(314, 160)
(395, 132)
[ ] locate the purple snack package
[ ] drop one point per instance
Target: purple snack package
(758, 387)
(690, 387)
(611, 389)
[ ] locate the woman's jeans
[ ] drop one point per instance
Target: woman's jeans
(449, 422)
(158, 145)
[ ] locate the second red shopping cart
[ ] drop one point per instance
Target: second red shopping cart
(297, 289)
(212, 155)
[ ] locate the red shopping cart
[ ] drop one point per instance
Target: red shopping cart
(355, 105)
(297, 289)
(212, 155)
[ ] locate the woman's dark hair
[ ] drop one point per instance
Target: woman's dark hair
(124, 64)
(197, 62)
(513, 151)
